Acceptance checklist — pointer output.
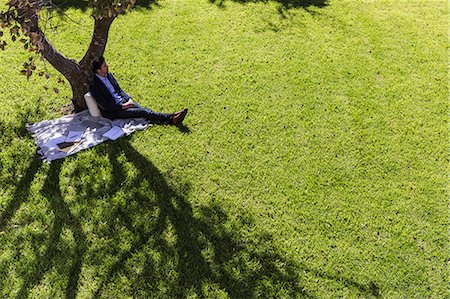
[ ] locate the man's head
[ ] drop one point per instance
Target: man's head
(99, 66)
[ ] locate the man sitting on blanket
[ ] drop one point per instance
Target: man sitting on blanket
(115, 103)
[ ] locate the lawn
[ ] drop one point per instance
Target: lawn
(314, 163)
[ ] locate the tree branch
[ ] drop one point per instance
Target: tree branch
(28, 18)
(98, 43)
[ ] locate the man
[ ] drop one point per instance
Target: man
(115, 103)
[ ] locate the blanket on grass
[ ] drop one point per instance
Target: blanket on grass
(67, 135)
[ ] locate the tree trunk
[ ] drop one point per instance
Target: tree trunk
(79, 89)
(98, 43)
(69, 68)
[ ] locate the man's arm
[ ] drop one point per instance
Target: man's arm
(121, 92)
(117, 87)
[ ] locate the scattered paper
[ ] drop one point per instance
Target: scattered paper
(114, 133)
(74, 136)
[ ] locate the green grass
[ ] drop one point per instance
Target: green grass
(315, 164)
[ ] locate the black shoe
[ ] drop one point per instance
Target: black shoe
(179, 116)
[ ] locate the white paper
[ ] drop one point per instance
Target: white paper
(74, 136)
(114, 133)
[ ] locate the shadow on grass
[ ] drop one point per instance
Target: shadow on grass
(284, 8)
(284, 4)
(194, 237)
(63, 5)
(178, 251)
(22, 188)
(52, 256)
(207, 251)
(21, 192)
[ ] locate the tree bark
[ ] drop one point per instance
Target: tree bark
(98, 43)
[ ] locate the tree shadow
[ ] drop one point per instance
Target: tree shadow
(22, 187)
(207, 250)
(284, 10)
(284, 4)
(53, 257)
(195, 236)
(179, 250)
(21, 192)
(62, 5)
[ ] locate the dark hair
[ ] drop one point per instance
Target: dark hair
(97, 64)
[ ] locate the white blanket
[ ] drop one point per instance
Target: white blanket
(79, 131)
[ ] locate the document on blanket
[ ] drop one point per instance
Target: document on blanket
(114, 133)
(74, 136)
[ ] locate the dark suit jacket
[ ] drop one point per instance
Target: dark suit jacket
(105, 100)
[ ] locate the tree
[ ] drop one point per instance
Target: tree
(22, 20)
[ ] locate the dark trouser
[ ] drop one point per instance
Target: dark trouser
(142, 112)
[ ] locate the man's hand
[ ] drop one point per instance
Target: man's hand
(129, 104)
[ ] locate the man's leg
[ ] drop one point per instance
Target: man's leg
(142, 112)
